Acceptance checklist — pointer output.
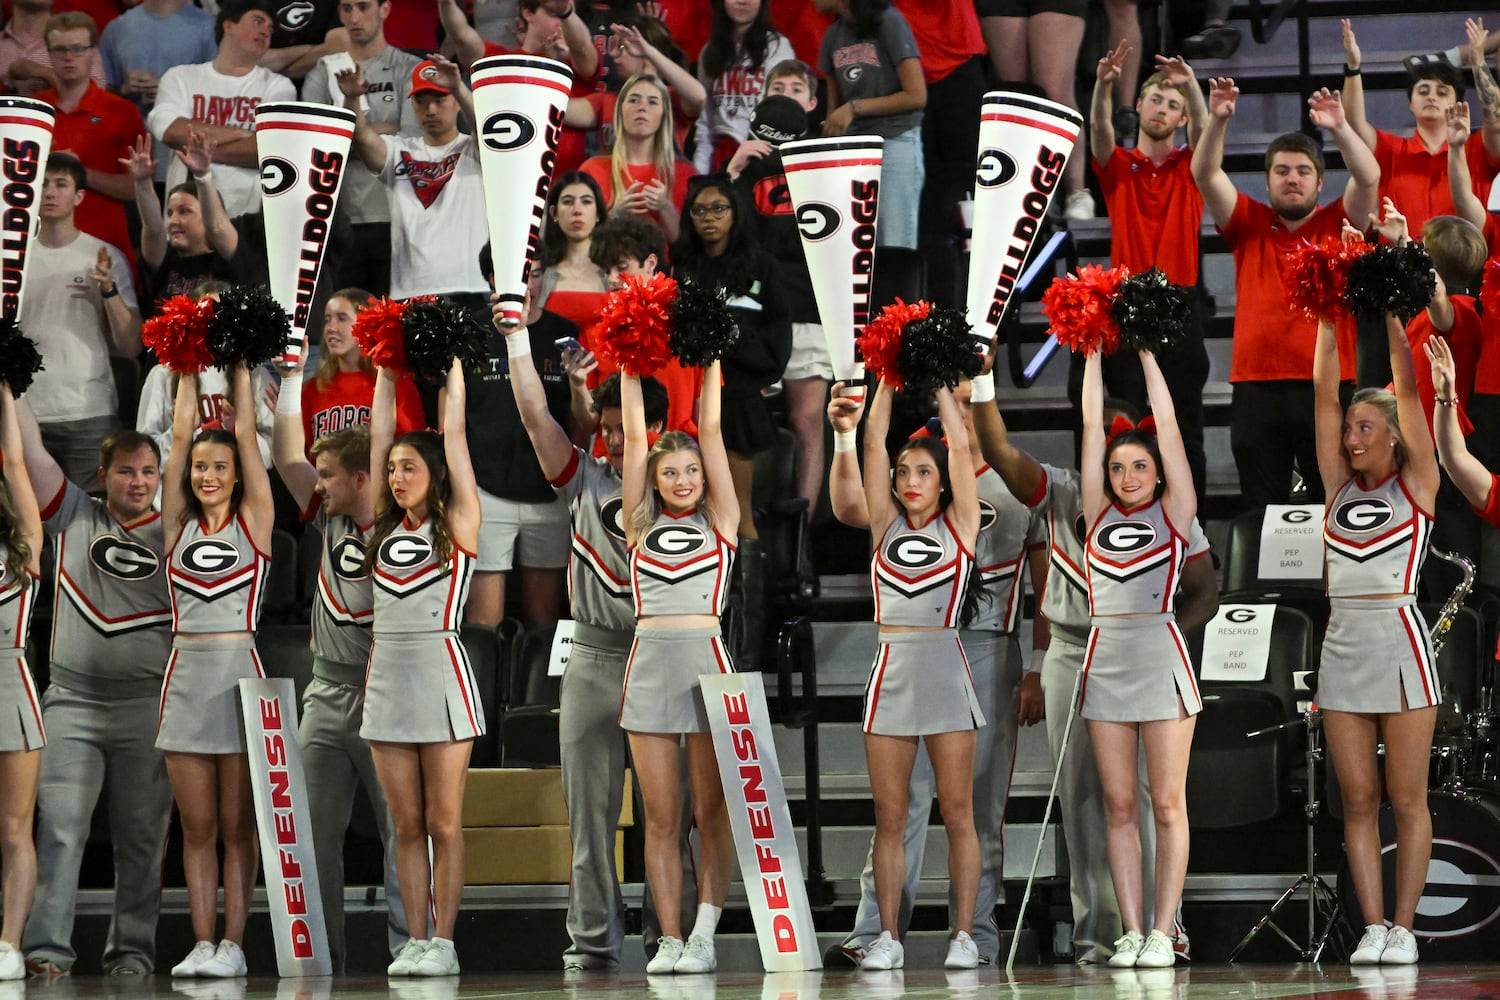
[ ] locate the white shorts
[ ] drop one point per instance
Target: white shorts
(513, 533)
(809, 357)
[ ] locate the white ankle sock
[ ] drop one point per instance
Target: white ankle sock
(707, 922)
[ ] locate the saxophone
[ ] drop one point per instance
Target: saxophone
(1455, 600)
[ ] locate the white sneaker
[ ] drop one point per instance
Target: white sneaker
(1156, 952)
(963, 953)
(1368, 951)
(668, 951)
(1400, 947)
(697, 956)
(227, 962)
(439, 958)
(1126, 948)
(188, 967)
(883, 954)
(12, 964)
(407, 958)
(1078, 205)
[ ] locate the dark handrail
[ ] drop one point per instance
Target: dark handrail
(795, 651)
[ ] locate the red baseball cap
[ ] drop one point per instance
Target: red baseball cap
(424, 77)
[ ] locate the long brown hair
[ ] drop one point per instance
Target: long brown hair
(328, 365)
(17, 549)
(192, 507)
(429, 448)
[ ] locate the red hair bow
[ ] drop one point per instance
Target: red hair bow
(1122, 423)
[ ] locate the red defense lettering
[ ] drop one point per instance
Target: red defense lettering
(275, 750)
(291, 868)
(286, 828)
(762, 826)
(744, 744)
(301, 939)
(784, 933)
(296, 900)
(270, 708)
(766, 859)
(775, 890)
(1044, 177)
(751, 778)
(281, 790)
(864, 202)
(737, 710)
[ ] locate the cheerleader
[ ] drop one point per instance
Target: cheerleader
(422, 711)
(218, 515)
(1138, 686)
(1377, 680)
(21, 734)
(678, 500)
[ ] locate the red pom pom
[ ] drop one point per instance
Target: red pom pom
(1489, 290)
(880, 341)
(635, 323)
(1318, 276)
(179, 334)
(381, 334)
(1080, 308)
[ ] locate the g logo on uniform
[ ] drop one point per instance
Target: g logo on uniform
(987, 514)
(912, 550)
(1125, 537)
(122, 558)
(612, 516)
(675, 539)
(995, 169)
(817, 220)
(348, 557)
(277, 174)
(1364, 514)
(404, 550)
(507, 130)
(209, 556)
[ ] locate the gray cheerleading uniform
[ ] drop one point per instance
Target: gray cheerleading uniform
(1376, 652)
(217, 580)
(1137, 667)
(111, 635)
(680, 566)
(1007, 533)
(334, 756)
(20, 708)
(920, 681)
(1065, 603)
(419, 687)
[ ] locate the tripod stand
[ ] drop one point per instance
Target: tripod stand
(1322, 904)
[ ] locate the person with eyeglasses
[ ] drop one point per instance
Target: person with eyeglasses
(94, 125)
(25, 63)
(719, 249)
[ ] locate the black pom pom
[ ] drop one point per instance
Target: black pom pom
(248, 325)
(938, 350)
(1152, 312)
(439, 330)
(703, 328)
(1390, 279)
(19, 358)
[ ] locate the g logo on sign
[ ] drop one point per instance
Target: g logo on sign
(987, 514)
(1364, 514)
(612, 516)
(348, 558)
(676, 539)
(911, 550)
(506, 130)
(123, 559)
(1124, 537)
(995, 169)
(817, 221)
(405, 550)
(209, 556)
(277, 175)
(1296, 516)
(1241, 615)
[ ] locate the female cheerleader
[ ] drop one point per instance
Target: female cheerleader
(679, 501)
(1138, 686)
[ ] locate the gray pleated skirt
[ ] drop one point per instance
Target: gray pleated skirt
(920, 685)
(200, 694)
(20, 705)
(421, 689)
(1376, 650)
(661, 679)
(1136, 669)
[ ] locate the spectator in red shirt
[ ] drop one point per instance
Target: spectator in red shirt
(25, 64)
(643, 177)
(1156, 212)
(572, 284)
(342, 386)
(1271, 413)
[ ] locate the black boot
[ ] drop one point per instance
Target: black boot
(750, 568)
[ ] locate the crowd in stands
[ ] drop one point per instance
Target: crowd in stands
(669, 164)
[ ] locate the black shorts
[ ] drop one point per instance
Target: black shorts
(1026, 8)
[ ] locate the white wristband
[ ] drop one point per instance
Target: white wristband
(204, 178)
(289, 399)
(843, 441)
(1034, 665)
(982, 388)
(518, 344)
